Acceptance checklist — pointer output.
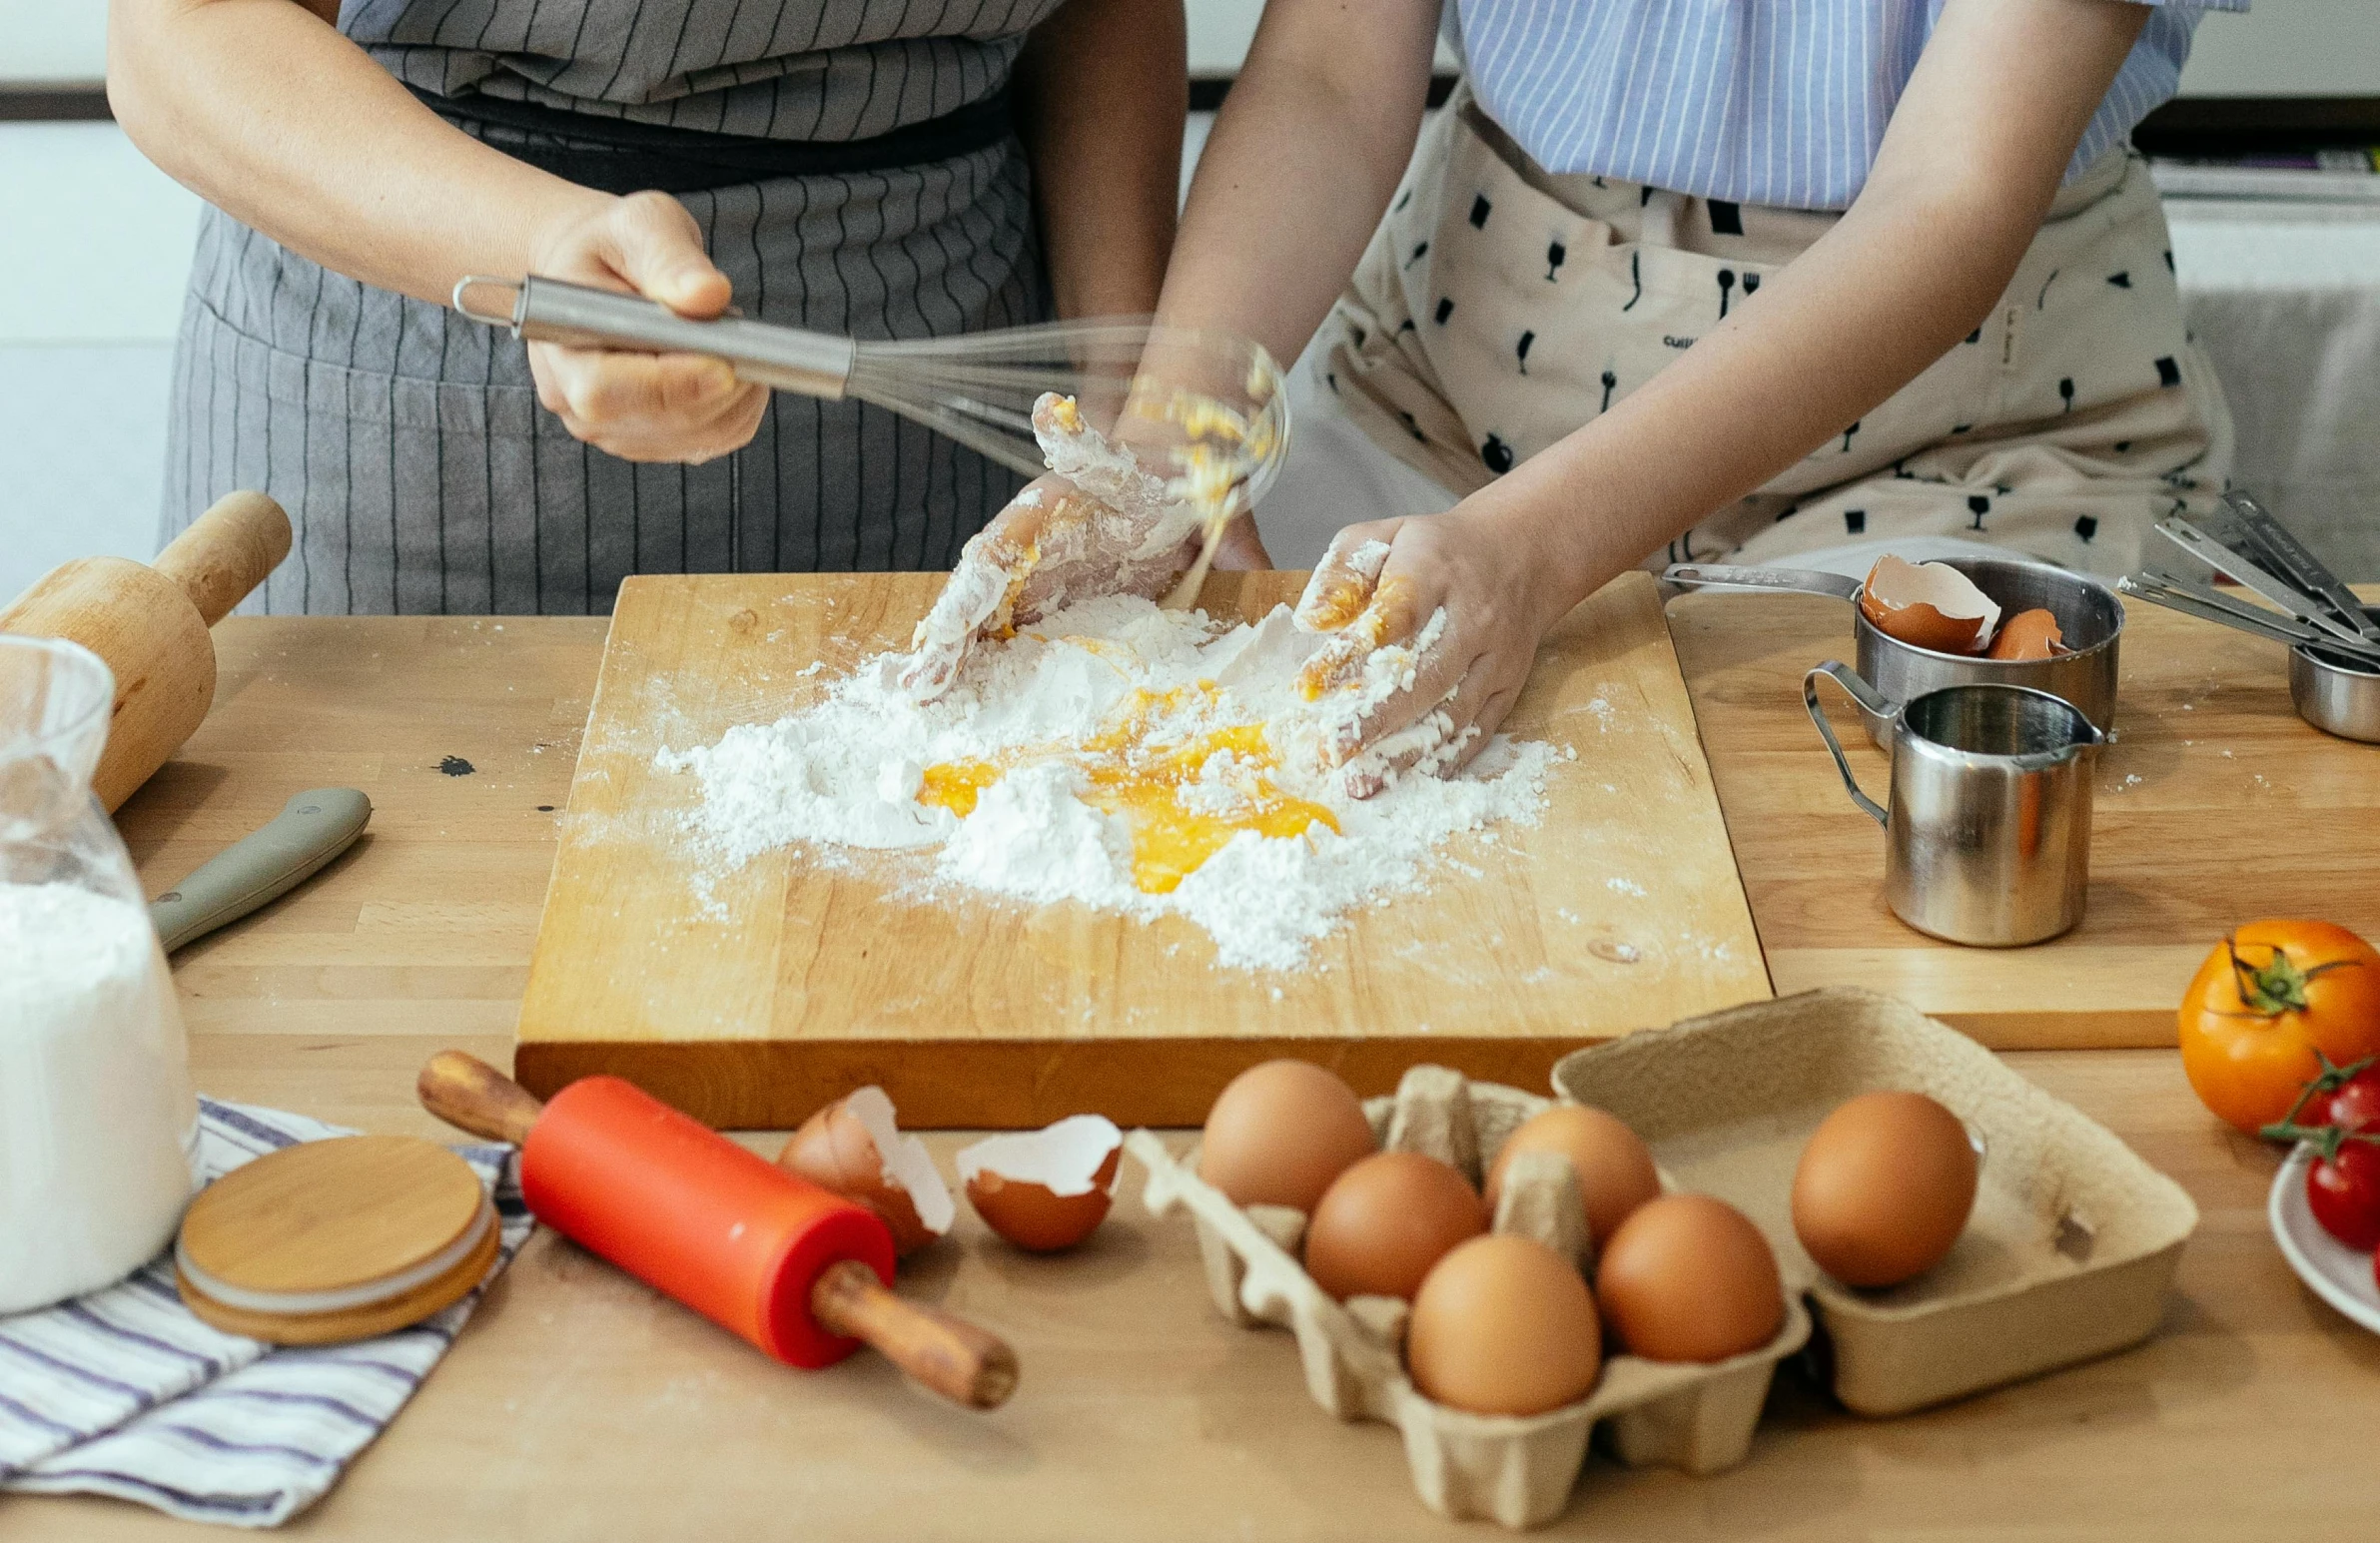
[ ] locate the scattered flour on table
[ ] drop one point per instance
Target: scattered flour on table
(1133, 759)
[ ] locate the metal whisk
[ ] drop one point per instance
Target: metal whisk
(978, 388)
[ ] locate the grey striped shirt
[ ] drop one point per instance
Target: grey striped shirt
(769, 69)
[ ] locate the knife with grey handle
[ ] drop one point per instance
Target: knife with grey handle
(263, 866)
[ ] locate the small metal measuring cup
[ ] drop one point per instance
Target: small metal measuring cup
(1987, 837)
(2336, 692)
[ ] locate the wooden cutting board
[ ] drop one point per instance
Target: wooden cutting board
(749, 999)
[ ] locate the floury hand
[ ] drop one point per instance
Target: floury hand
(1444, 608)
(1095, 524)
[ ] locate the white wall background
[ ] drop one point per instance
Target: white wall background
(94, 246)
(2288, 48)
(53, 39)
(94, 242)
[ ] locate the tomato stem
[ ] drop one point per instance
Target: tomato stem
(2328, 1078)
(2277, 986)
(2327, 1140)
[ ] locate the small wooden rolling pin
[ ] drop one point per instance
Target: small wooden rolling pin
(801, 1273)
(149, 623)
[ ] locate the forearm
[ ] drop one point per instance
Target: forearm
(271, 114)
(1838, 330)
(1101, 94)
(1302, 163)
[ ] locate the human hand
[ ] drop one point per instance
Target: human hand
(644, 406)
(1095, 524)
(1442, 616)
(1240, 548)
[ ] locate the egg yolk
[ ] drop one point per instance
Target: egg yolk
(1131, 773)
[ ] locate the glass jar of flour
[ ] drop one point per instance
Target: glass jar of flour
(98, 1124)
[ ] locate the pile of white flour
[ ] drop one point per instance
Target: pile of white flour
(847, 773)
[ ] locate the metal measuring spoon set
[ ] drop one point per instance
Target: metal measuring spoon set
(2332, 636)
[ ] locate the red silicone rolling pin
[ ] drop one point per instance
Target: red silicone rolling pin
(801, 1273)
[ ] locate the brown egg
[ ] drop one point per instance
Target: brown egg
(1883, 1189)
(1384, 1221)
(2033, 634)
(854, 1147)
(1281, 1133)
(1043, 1190)
(1504, 1325)
(1689, 1278)
(1928, 605)
(1615, 1170)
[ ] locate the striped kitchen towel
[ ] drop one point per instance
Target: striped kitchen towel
(123, 1393)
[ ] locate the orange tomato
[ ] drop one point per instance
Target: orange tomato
(2270, 996)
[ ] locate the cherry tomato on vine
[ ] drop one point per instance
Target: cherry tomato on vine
(2354, 1105)
(2343, 1191)
(2344, 1096)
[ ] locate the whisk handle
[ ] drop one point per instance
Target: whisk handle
(553, 310)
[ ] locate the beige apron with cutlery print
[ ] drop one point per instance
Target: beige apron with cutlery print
(1501, 307)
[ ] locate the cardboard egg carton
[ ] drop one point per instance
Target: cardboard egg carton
(2068, 1254)
(1518, 1471)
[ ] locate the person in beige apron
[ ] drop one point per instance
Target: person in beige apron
(1731, 280)
(2077, 414)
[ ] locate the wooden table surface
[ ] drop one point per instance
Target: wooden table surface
(578, 1405)
(2216, 805)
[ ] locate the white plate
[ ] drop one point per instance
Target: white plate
(2331, 1269)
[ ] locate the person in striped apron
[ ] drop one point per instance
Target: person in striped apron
(859, 167)
(1705, 280)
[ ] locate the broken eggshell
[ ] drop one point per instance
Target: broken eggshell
(1928, 605)
(2033, 634)
(854, 1147)
(1043, 1190)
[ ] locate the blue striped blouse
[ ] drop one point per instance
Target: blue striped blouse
(1778, 101)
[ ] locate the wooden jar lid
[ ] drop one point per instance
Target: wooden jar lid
(337, 1239)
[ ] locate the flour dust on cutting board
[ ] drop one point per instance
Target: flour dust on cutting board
(1139, 760)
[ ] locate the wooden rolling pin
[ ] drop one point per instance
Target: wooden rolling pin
(149, 623)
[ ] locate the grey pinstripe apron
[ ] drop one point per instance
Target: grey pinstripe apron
(408, 443)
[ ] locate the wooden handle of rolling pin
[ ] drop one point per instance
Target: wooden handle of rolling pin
(953, 1357)
(227, 553)
(469, 1094)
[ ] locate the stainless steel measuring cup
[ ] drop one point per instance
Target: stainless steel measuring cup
(2088, 612)
(1988, 832)
(2337, 692)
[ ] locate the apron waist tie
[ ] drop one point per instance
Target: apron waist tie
(618, 155)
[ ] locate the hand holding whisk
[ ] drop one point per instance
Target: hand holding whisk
(1209, 414)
